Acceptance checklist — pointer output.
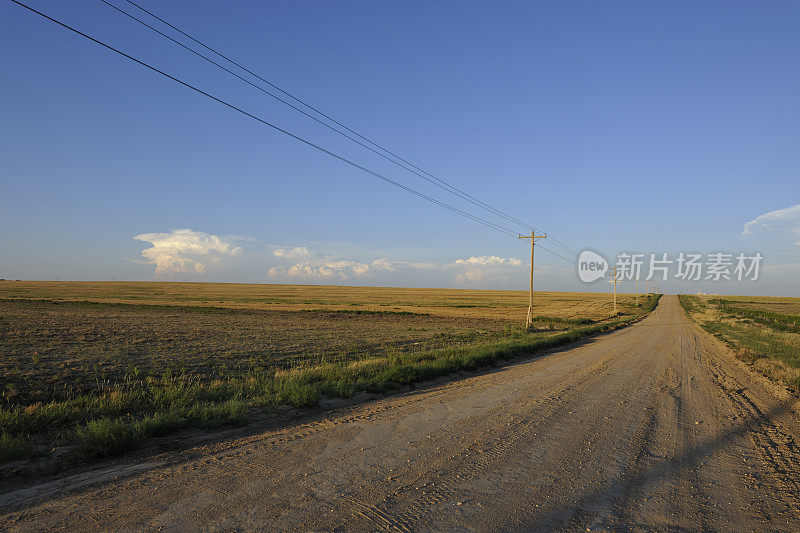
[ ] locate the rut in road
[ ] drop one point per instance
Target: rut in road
(650, 427)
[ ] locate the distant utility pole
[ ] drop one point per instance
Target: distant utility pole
(533, 237)
(637, 291)
(614, 280)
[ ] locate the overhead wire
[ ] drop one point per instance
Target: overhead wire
(487, 223)
(418, 171)
(273, 126)
(462, 195)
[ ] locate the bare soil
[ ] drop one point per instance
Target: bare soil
(52, 350)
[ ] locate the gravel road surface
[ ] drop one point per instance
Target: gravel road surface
(653, 427)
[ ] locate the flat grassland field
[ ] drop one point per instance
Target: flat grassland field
(764, 331)
(75, 353)
(64, 336)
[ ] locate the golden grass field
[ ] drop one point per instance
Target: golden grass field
(106, 365)
(493, 305)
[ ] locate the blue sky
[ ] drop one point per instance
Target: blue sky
(615, 126)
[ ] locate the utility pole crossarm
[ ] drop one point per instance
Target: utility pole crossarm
(533, 238)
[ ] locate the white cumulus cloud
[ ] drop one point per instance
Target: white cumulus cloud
(776, 223)
(382, 265)
(484, 270)
(298, 252)
(489, 260)
(306, 270)
(321, 268)
(184, 251)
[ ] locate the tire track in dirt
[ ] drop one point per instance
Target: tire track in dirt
(417, 498)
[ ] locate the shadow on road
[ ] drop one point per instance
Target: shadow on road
(613, 493)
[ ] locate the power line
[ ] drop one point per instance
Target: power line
(462, 195)
(273, 126)
(555, 254)
(414, 168)
(279, 129)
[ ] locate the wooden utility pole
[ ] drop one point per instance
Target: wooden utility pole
(533, 237)
(614, 280)
(637, 291)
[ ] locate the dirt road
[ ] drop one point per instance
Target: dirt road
(648, 428)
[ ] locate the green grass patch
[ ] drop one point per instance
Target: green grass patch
(776, 321)
(755, 343)
(561, 320)
(14, 447)
(691, 304)
(111, 436)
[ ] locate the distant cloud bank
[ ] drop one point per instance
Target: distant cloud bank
(316, 267)
(489, 260)
(321, 269)
(206, 256)
(776, 224)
